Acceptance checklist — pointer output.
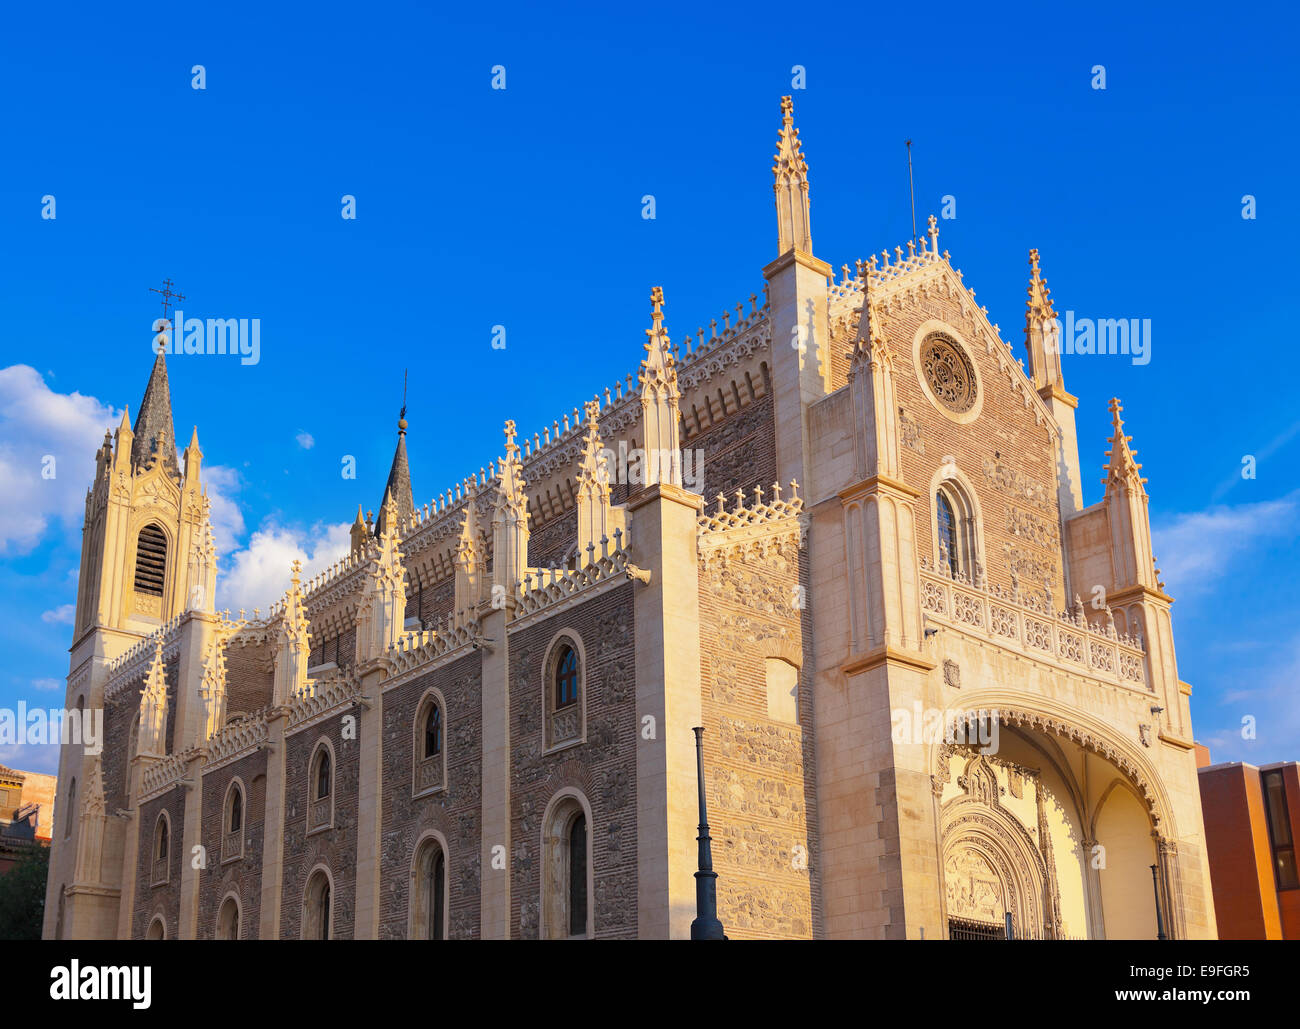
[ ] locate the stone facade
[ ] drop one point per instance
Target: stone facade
(842, 531)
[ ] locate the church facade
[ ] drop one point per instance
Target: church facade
(843, 532)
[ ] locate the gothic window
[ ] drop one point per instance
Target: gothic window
(430, 744)
(429, 892)
(566, 678)
(566, 881)
(72, 810)
(565, 705)
(956, 548)
(947, 521)
(228, 920)
(157, 929)
(578, 876)
(320, 806)
(161, 849)
(316, 907)
(232, 836)
(150, 560)
(948, 372)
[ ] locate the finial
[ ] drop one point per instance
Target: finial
(297, 568)
(510, 433)
(401, 418)
(787, 107)
(656, 311)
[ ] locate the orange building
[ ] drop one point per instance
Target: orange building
(1252, 820)
(26, 813)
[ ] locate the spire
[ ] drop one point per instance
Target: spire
(594, 513)
(1126, 499)
(871, 385)
(660, 415)
(212, 690)
(791, 186)
(381, 615)
(468, 582)
(1123, 472)
(152, 739)
(294, 647)
(154, 433)
(510, 520)
(399, 482)
(1042, 332)
(359, 532)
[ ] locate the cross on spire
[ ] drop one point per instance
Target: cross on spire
(167, 295)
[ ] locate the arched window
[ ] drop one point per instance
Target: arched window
(430, 745)
(563, 701)
(956, 531)
(161, 849)
(228, 920)
(157, 929)
(566, 880)
(71, 820)
(150, 560)
(578, 876)
(429, 892)
(433, 731)
(566, 677)
(316, 909)
(320, 806)
(232, 836)
(949, 554)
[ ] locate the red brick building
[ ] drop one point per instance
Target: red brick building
(1252, 820)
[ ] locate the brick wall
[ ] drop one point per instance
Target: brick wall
(336, 847)
(243, 875)
(603, 767)
(455, 811)
(150, 899)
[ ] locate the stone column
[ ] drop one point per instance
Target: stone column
(273, 845)
(667, 632)
(494, 883)
(370, 738)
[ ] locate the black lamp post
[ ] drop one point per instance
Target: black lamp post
(1160, 925)
(706, 925)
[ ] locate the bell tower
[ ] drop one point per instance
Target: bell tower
(147, 552)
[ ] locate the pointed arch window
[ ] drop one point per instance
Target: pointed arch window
(228, 920)
(949, 556)
(430, 745)
(566, 881)
(151, 560)
(72, 810)
(317, 910)
(232, 836)
(429, 892)
(320, 801)
(956, 532)
(565, 705)
(161, 849)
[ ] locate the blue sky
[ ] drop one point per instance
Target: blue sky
(522, 207)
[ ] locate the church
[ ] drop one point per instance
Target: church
(842, 531)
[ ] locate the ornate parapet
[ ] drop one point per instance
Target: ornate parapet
(543, 589)
(415, 650)
(163, 774)
(760, 521)
(235, 740)
(321, 699)
(1008, 620)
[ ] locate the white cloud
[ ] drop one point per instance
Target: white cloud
(46, 684)
(61, 615)
(222, 484)
(1272, 707)
(258, 574)
(36, 424)
(305, 439)
(1195, 550)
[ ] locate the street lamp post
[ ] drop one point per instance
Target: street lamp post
(1160, 925)
(706, 925)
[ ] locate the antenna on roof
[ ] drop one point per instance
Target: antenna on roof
(911, 186)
